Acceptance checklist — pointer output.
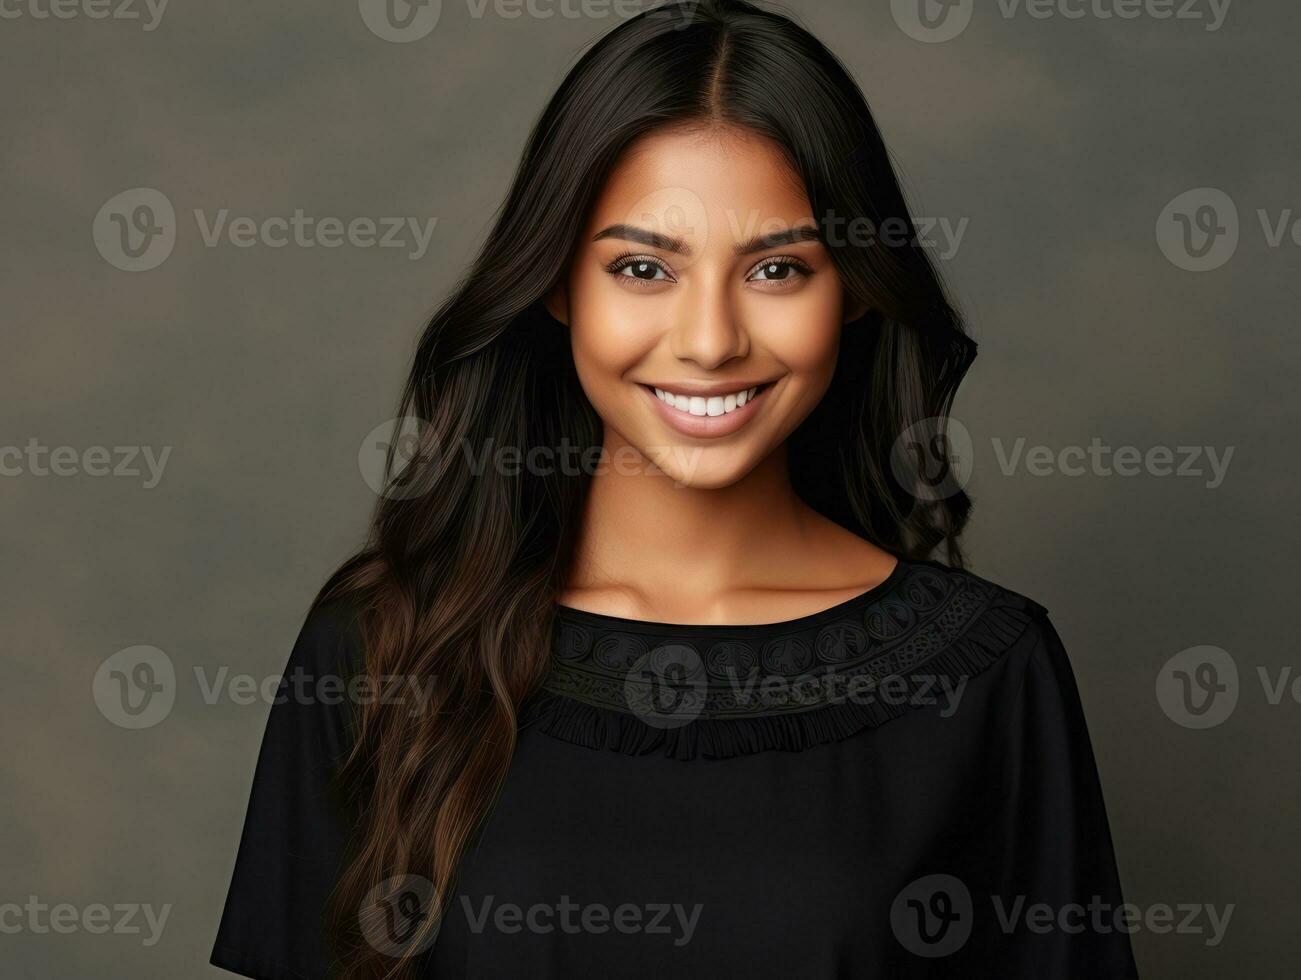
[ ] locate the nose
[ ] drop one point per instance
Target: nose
(708, 332)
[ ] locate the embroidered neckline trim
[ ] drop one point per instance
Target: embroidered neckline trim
(727, 690)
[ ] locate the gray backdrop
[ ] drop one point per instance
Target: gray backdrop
(1125, 186)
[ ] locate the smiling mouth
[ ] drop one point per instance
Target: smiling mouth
(708, 405)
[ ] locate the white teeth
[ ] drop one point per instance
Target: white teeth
(713, 405)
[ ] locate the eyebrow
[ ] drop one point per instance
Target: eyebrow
(644, 236)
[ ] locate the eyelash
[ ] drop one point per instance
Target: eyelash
(629, 258)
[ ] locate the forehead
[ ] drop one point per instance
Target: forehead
(719, 185)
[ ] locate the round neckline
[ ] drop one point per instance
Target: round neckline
(721, 690)
(584, 617)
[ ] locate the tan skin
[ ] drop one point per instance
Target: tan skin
(706, 528)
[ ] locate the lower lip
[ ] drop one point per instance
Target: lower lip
(707, 426)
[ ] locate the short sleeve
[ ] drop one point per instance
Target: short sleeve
(273, 923)
(1061, 914)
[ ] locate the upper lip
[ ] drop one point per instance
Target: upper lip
(705, 389)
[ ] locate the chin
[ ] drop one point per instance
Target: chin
(705, 473)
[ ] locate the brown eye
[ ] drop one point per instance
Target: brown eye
(778, 270)
(774, 270)
(644, 270)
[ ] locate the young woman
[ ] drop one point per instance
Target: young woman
(658, 676)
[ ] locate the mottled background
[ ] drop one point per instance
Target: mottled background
(1059, 141)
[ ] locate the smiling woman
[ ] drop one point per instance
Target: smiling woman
(727, 686)
(733, 336)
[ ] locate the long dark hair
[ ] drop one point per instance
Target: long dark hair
(458, 581)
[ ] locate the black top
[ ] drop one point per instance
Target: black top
(901, 785)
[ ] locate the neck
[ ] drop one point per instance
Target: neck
(642, 531)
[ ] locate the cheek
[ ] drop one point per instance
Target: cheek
(610, 330)
(802, 331)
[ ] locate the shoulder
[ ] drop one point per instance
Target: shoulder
(330, 640)
(1000, 620)
(950, 580)
(318, 690)
(1037, 667)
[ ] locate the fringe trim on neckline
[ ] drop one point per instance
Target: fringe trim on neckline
(597, 727)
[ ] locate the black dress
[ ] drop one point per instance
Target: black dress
(901, 785)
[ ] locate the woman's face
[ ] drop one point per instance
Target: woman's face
(704, 313)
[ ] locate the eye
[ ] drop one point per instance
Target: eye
(783, 268)
(640, 269)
